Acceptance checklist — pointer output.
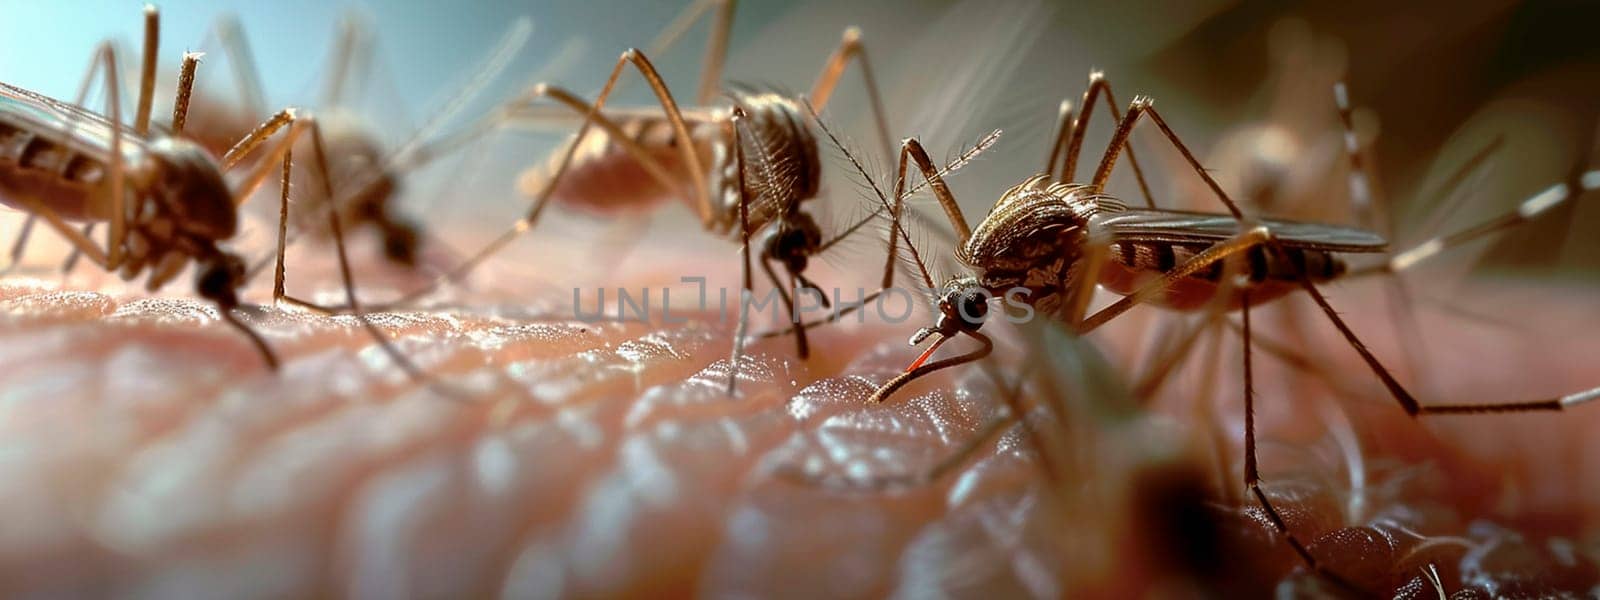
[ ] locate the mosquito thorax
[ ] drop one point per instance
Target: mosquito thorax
(783, 147)
(192, 193)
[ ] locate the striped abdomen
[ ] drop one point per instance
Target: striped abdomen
(1270, 276)
(69, 181)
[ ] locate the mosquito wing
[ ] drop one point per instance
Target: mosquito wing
(64, 124)
(1146, 225)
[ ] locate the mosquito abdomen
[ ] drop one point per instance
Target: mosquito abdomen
(1269, 275)
(605, 179)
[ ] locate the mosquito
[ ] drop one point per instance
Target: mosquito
(164, 197)
(1051, 242)
(746, 165)
(367, 177)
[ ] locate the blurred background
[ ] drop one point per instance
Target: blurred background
(1434, 84)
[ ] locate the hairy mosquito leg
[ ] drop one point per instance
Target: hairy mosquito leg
(593, 115)
(1252, 475)
(400, 359)
(745, 288)
(278, 292)
(1064, 118)
(1364, 200)
(1236, 244)
(180, 104)
(1139, 107)
(716, 53)
(850, 46)
(1409, 403)
(1079, 126)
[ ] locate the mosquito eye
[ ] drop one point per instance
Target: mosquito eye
(974, 307)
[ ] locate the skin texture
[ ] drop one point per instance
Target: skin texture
(148, 452)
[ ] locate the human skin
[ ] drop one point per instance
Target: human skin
(149, 452)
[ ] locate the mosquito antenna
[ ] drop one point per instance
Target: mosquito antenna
(961, 160)
(883, 199)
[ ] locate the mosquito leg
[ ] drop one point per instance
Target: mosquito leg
(400, 359)
(105, 58)
(1079, 127)
(716, 46)
(248, 144)
(802, 348)
(1064, 121)
(745, 289)
(615, 134)
(352, 34)
(1409, 403)
(1362, 198)
(180, 105)
(1119, 140)
(1233, 245)
(1166, 363)
(593, 115)
(20, 247)
(1252, 476)
(1538, 204)
(74, 237)
(147, 70)
(406, 155)
(246, 77)
(851, 47)
(947, 200)
(73, 256)
(278, 292)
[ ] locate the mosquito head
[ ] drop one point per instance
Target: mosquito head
(219, 276)
(400, 240)
(191, 190)
(793, 241)
(963, 307)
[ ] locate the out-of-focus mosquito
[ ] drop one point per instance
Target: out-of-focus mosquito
(365, 177)
(746, 167)
(164, 197)
(1048, 243)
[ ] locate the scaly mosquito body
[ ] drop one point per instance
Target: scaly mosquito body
(1048, 243)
